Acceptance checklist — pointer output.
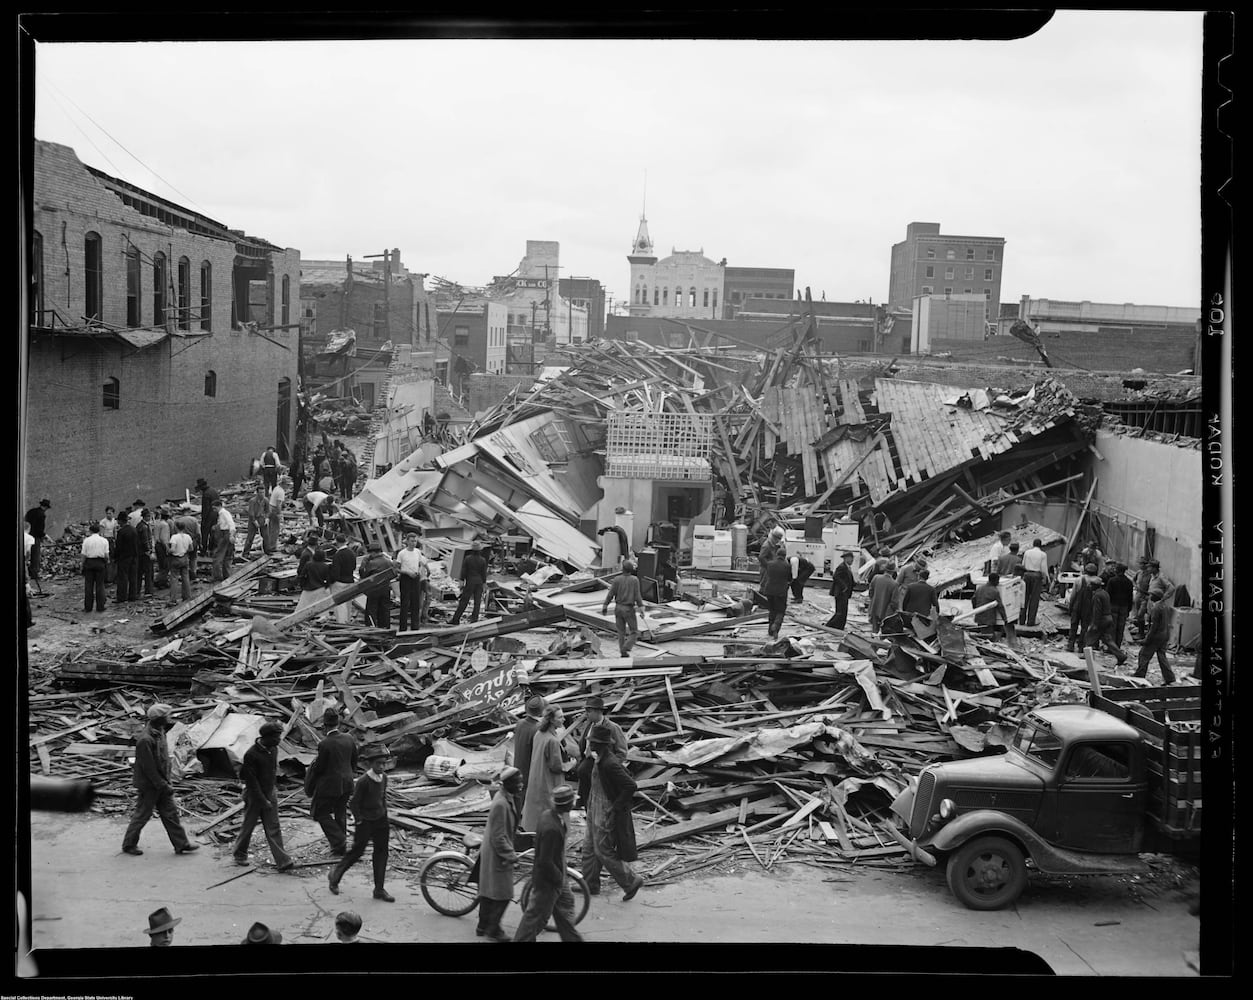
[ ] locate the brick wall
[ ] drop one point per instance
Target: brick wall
(166, 432)
(1163, 351)
(360, 314)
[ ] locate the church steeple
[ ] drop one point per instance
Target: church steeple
(642, 248)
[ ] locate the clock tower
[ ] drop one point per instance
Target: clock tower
(642, 260)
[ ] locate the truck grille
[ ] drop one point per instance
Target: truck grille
(922, 804)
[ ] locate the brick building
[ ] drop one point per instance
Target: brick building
(476, 338)
(161, 347)
(589, 294)
(928, 262)
(740, 284)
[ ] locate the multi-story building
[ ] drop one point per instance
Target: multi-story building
(162, 346)
(744, 283)
(685, 285)
(928, 262)
(476, 334)
(538, 312)
(589, 294)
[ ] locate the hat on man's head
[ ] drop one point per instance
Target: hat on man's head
(201, 484)
(139, 503)
(476, 547)
(330, 717)
(161, 920)
(159, 711)
(510, 774)
(45, 503)
(375, 547)
(776, 532)
(595, 701)
(534, 705)
(600, 734)
(563, 797)
(847, 555)
(258, 933)
(272, 729)
(1090, 568)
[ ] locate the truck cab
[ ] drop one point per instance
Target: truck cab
(1070, 793)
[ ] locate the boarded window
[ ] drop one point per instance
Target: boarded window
(93, 277)
(210, 383)
(159, 278)
(112, 394)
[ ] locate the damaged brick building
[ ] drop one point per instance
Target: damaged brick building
(162, 346)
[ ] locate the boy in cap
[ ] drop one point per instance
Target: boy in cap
(523, 740)
(152, 780)
(259, 772)
(369, 809)
(609, 840)
(550, 895)
(160, 929)
(497, 857)
(347, 927)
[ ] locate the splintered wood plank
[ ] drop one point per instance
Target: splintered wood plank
(674, 709)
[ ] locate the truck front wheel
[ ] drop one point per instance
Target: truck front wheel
(988, 873)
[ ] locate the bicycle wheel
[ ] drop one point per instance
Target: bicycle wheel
(578, 889)
(445, 881)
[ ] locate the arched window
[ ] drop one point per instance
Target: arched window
(644, 289)
(286, 299)
(210, 383)
(159, 278)
(112, 394)
(133, 279)
(706, 301)
(692, 297)
(665, 295)
(184, 293)
(656, 295)
(37, 280)
(715, 299)
(206, 295)
(93, 277)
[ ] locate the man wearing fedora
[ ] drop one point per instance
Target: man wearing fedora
(152, 780)
(208, 519)
(497, 857)
(609, 840)
(594, 715)
(523, 741)
(369, 810)
(473, 579)
(259, 772)
(160, 928)
(328, 783)
(258, 933)
(550, 895)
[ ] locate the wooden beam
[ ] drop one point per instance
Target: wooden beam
(189, 609)
(846, 474)
(325, 604)
(666, 834)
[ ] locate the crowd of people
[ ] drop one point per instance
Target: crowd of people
(549, 770)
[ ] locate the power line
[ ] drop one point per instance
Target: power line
(186, 197)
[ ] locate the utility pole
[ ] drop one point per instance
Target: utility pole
(387, 282)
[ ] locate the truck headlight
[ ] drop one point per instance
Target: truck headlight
(948, 809)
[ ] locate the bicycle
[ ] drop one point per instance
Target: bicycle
(446, 886)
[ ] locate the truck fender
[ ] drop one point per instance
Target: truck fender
(983, 821)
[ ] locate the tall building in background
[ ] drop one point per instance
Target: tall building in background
(744, 283)
(685, 285)
(589, 294)
(928, 262)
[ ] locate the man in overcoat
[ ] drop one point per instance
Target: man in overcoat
(152, 779)
(497, 857)
(550, 893)
(610, 838)
(259, 772)
(841, 589)
(328, 783)
(523, 740)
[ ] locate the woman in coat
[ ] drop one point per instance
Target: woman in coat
(497, 857)
(547, 767)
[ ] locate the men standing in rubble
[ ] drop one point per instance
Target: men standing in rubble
(314, 574)
(1009, 563)
(369, 812)
(548, 766)
(147, 551)
(625, 593)
(802, 569)
(841, 590)
(990, 593)
(473, 579)
(778, 577)
(274, 519)
(152, 781)
(269, 468)
(1100, 633)
(769, 548)
(1143, 584)
(497, 856)
(1120, 590)
(256, 518)
(180, 554)
(259, 772)
(909, 574)
(1000, 545)
(1081, 609)
(378, 602)
(191, 526)
(37, 518)
(882, 597)
(127, 563)
(920, 597)
(594, 716)
(161, 543)
(95, 552)
(223, 542)
(550, 893)
(328, 783)
(1156, 637)
(609, 840)
(343, 575)
(1035, 574)
(412, 566)
(208, 519)
(108, 531)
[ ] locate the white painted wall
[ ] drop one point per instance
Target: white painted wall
(1160, 483)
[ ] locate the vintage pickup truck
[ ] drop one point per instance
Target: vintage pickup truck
(1082, 790)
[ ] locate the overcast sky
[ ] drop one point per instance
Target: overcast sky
(1079, 145)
